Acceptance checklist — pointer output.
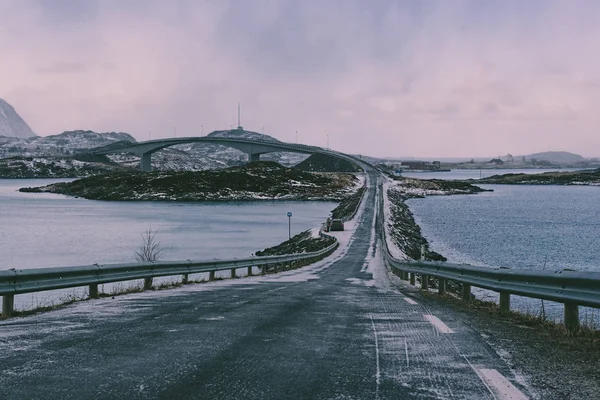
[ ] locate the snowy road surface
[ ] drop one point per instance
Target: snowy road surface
(335, 330)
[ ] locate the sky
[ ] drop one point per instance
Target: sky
(386, 78)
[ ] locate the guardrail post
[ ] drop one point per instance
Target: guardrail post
(441, 285)
(211, 276)
(147, 283)
(504, 302)
(412, 279)
(8, 305)
(185, 278)
(466, 292)
(93, 289)
(249, 271)
(233, 273)
(424, 282)
(263, 270)
(571, 316)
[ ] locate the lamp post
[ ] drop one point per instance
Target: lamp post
(289, 215)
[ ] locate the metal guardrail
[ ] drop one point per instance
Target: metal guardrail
(572, 288)
(19, 281)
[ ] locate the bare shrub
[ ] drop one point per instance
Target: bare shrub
(150, 250)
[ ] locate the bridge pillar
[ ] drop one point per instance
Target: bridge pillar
(146, 162)
(253, 157)
(424, 282)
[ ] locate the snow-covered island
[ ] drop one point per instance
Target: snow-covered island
(265, 180)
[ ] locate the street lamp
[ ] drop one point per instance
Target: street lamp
(289, 215)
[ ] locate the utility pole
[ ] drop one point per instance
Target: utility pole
(201, 130)
(296, 137)
(327, 142)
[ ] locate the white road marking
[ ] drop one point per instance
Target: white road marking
(502, 388)
(478, 375)
(378, 370)
(406, 352)
(410, 301)
(435, 321)
(219, 318)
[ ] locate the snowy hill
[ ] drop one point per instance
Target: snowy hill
(66, 143)
(557, 157)
(11, 123)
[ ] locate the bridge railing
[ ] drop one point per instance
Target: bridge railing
(19, 281)
(572, 288)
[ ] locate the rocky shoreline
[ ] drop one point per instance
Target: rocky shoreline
(304, 242)
(256, 181)
(404, 231)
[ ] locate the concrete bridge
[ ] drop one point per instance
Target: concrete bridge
(253, 147)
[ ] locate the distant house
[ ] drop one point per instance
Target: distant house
(496, 161)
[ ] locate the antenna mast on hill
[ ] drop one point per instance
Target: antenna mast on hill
(239, 118)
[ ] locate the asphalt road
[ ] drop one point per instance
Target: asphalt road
(340, 330)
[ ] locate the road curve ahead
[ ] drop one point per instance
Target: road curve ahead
(337, 330)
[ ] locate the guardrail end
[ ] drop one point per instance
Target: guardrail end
(8, 305)
(466, 292)
(93, 291)
(504, 302)
(571, 316)
(147, 283)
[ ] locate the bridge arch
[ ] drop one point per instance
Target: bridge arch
(253, 147)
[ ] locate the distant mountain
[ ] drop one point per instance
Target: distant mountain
(66, 143)
(556, 157)
(11, 123)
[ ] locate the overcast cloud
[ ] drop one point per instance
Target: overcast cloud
(383, 78)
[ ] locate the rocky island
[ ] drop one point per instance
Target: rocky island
(263, 180)
(584, 177)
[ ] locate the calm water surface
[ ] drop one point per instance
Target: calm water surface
(516, 226)
(529, 227)
(44, 230)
